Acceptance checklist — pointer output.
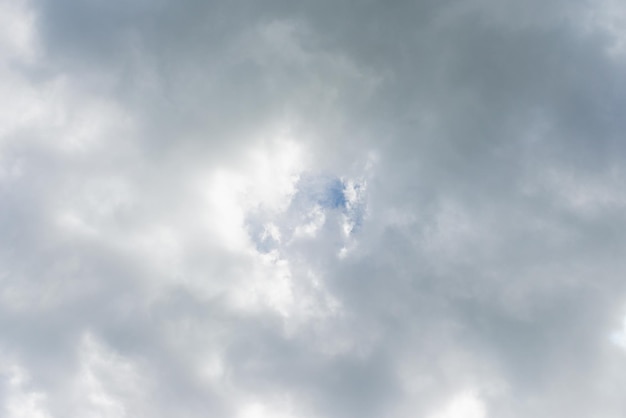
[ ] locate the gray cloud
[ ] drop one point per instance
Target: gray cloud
(311, 209)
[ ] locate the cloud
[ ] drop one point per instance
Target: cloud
(463, 405)
(323, 209)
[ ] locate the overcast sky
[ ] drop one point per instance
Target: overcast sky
(312, 209)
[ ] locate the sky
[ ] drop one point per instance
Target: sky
(312, 209)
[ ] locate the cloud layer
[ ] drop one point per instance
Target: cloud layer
(312, 209)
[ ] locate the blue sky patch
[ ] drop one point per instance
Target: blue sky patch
(325, 191)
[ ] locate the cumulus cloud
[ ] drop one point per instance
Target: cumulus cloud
(312, 209)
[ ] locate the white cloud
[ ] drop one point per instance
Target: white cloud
(619, 337)
(20, 401)
(463, 405)
(107, 385)
(18, 34)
